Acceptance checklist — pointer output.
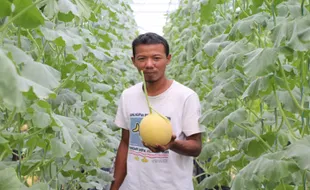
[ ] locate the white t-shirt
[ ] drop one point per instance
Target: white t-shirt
(159, 171)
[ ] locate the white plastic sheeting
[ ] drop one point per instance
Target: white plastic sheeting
(150, 15)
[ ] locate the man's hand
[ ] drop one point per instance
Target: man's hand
(161, 148)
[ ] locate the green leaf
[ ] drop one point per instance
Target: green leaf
(88, 145)
(299, 34)
(248, 24)
(9, 82)
(259, 87)
(214, 116)
(285, 99)
(69, 129)
(280, 32)
(256, 5)
(231, 55)
(304, 35)
(66, 17)
(206, 10)
(66, 6)
(271, 167)
(39, 186)
(41, 92)
(100, 54)
(5, 8)
(51, 8)
(40, 117)
(65, 96)
(106, 159)
(41, 74)
(32, 18)
(83, 8)
(260, 62)
(210, 149)
(3, 140)
(18, 55)
(254, 147)
(299, 151)
(67, 36)
(59, 149)
(212, 46)
(101, 87)
(237, 116)
(210, 182)
(286, 187)
(230, 82)
(9, 180)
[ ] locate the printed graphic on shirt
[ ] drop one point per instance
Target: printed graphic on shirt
(136, 147)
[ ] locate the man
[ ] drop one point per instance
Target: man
(169, 167)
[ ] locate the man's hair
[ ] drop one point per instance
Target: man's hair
(149, 38)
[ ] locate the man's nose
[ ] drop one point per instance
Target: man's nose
(149, 63)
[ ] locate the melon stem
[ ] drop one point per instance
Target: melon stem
(145, 93)
(148, 102)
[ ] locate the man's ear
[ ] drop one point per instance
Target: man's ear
(169, 59)
(133, 60)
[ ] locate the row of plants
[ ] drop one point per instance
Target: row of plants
(63, 65)
(249, 62)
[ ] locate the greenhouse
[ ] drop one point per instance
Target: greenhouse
(84, 108)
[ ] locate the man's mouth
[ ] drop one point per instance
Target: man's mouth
(149, 73)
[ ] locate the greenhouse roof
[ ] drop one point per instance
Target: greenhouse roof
(150, 15)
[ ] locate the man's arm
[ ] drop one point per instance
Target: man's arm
(191, 146)
(120, 161)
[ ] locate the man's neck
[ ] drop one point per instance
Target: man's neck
(158, 87)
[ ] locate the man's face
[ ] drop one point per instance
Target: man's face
(152, 60)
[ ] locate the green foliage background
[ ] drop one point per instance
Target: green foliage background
(63, 65)
(249, 62)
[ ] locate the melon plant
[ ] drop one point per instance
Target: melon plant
(62, 63)
(249, 63)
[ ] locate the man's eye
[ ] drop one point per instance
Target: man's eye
(140, 59)
(157, 58)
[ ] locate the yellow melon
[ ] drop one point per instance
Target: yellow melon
(155, 130)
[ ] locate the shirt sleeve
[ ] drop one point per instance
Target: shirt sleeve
(120, 119)
(191, 115)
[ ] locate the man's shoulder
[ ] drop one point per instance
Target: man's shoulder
(183, 89)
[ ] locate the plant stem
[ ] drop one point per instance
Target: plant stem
(302, 77)
(304, 179)
(288, 88)
(280, 126)
(253, 132)
(10, 120)
(62, 167)
(35, 42)
(66, 80)
(145, 93)
(283, 114)
(302, 7)
(261, 115)
(305, 129)
(273, 13)
(2, 154)
(234, 12)
(19, 43)
(276, 117)
(249, 109)
(19, 160)
(283, 186)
